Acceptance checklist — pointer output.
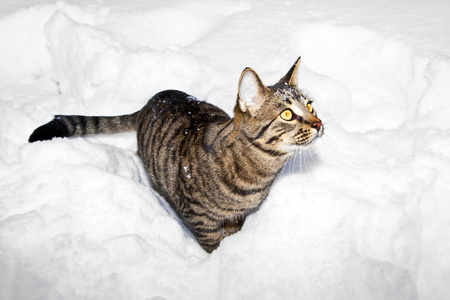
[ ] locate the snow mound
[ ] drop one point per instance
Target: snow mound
(362, 215)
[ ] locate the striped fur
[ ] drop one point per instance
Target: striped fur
(73, 126)
(213, 169)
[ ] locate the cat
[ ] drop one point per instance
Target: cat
(212, 169)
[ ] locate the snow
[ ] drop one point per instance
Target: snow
(364, 214)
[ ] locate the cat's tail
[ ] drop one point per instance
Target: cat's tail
(72, 126)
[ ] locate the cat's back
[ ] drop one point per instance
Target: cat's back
(175, 114)
(178, 107)
(174, 109)
(169, 125)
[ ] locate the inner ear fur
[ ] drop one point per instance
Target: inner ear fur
(252, 92)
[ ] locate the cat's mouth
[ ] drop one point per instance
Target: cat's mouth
(313, 139)
(307, 141)
(319, 134)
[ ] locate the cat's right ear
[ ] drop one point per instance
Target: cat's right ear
(291, 78)
(251, 93)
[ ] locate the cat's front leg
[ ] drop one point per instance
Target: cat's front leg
(233, 225)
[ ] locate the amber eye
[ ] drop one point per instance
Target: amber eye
(287, 115)
(309, 106)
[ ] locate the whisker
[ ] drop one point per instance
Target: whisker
(294, 163)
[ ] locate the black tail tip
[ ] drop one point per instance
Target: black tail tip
(54, 128)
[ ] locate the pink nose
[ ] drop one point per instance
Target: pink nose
(317, 125)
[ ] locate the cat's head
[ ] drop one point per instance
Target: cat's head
(279, 117)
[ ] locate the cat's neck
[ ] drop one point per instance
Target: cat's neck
(237, 148)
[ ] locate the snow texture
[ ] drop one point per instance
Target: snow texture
(364, 214)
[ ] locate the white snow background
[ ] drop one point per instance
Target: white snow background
(364, 214)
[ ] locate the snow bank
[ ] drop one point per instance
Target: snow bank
(365, 215)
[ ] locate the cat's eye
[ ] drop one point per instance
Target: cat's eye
(287, 115)
(309, 107)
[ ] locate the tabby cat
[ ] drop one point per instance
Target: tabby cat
(213, 170)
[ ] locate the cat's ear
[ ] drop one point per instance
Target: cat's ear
(291, 78)
(251, 93)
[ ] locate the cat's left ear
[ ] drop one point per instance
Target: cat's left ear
(251, 93)
(291, 78)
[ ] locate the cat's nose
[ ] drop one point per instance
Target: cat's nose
(317, 125)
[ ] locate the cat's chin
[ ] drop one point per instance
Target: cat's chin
(314, 139)
(293, 149)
